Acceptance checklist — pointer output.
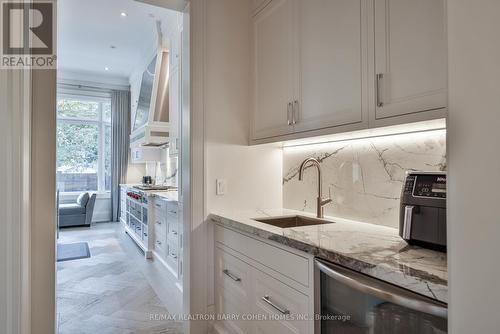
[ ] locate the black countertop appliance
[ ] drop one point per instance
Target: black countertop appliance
(423, 210)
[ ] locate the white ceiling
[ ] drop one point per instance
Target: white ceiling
(88, 28)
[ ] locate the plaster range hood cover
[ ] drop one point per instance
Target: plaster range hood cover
(152, 120)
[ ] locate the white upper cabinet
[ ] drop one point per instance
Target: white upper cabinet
(410, 57)
(332, 52)
(329, 66)
(273, 47)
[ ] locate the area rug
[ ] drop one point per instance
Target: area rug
(74, 251)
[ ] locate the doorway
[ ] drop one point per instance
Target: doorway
(128, 281)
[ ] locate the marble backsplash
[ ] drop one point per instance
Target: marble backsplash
(166, 170)
(364, 176)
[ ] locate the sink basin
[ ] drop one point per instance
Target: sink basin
(293, 221)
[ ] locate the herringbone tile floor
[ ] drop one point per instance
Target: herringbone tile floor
(116, 290)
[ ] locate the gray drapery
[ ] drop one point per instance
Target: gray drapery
(120, 123)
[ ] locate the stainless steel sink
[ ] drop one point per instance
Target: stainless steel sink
(293, 221)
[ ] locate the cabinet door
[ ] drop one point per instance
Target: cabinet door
(272, 69)
(331, 63)
(410, 57)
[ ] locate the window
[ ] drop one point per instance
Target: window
(83, 144)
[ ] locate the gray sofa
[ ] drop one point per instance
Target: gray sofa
(78, 213)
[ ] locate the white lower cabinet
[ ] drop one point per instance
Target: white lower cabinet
(233, 277)
(168, 236)
(281, 303)
(251, 296)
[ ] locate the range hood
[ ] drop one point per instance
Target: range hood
(152, 125)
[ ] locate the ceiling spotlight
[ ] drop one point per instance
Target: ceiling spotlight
(106, 68)
(123, 14)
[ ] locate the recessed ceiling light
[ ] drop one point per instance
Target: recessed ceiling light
(123, 14)
(106, 68)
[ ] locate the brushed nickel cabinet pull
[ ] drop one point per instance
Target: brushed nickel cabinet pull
(281, 309)
(231, 276)
(288, 109)
(380, 76)
(295, 110)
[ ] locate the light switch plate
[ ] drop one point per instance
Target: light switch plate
(221, 187)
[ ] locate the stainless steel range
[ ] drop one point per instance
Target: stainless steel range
(154, 187)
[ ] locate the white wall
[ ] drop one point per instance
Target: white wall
(474, 165)
(253, 174)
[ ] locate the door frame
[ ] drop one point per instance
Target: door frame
(37, 293)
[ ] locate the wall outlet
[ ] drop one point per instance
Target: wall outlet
(220, 187)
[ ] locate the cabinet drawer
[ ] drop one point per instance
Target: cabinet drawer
(233, 279)
(160, 246)
(288, 264)
(172, 257)
(160, 226)
(160, 206)
(283, 305)
(232, 275)
(229, 306)
(173, 230)
(172, 208)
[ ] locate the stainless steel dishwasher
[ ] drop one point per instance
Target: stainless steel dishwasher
(354, 303)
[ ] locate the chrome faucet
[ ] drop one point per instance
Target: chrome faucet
(321, 202)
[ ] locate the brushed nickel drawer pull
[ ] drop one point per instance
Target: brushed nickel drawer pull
(231, 276)
(283, 310)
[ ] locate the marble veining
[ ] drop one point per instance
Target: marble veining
(114, 291)
(375, 250)
(364, 176)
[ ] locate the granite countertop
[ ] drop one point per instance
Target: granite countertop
(374, 250)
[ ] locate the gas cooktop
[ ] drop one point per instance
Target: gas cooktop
(154, 187)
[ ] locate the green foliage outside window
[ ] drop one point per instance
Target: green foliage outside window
(77, 147)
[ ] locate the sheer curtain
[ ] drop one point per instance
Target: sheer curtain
(120, 122)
